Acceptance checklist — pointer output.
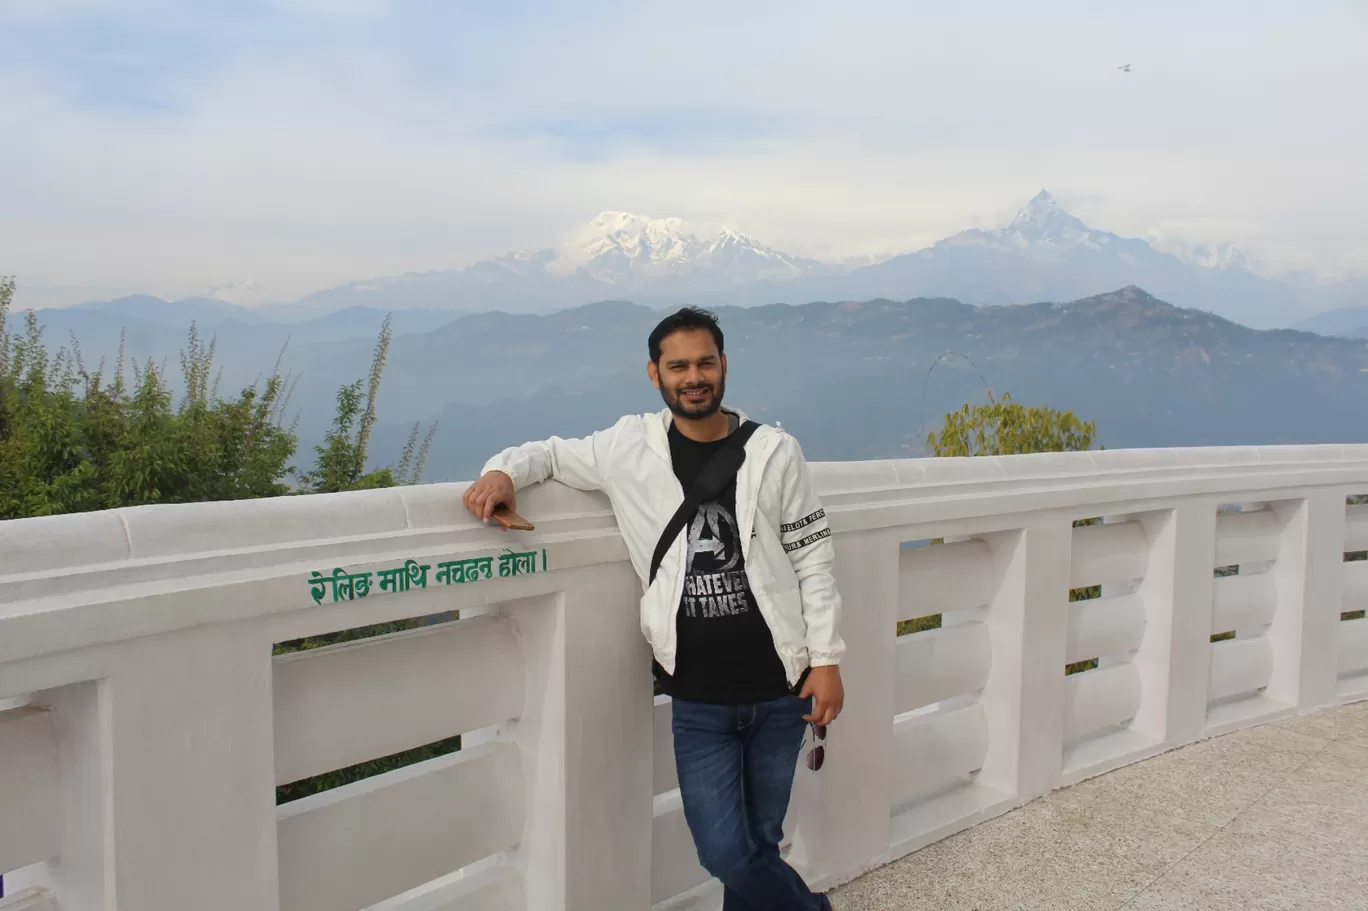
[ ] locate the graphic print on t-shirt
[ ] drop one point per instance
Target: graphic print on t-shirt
(714, 585)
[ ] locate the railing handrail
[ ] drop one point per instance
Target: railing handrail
(30, 547)
(119, 558)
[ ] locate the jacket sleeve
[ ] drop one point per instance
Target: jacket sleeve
(580, 463)
(806, 537)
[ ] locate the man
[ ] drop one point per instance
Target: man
(742, 613)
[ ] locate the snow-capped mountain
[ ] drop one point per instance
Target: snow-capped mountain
(614, 255)
(736, 254)
(1217, 256)
(244, 292)
(1043, 231)
(619, 247)
(635, 251)
(1044, 253)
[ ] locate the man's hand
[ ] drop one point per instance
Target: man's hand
(824, 683)
(490, 492)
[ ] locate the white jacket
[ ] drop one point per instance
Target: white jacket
(786, 540)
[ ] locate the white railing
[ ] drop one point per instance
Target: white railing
(145, 723)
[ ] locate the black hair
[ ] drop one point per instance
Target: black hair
(684, 320)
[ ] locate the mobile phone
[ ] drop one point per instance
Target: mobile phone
(511, 520)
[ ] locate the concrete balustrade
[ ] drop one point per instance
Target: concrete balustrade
(1104, 626)
(145, 722)
(1108, 553)
(1246, 537)
(1353, 647)
(30, 802)
(1243, 602)
(937, 665)
(1356, 527)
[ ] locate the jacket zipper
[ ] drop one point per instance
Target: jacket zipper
(752, 509)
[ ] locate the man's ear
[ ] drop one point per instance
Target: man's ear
(723, 359)
(653, 373)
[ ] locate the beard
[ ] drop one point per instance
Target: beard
(695, 411)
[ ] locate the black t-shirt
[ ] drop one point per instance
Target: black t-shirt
(726, 651)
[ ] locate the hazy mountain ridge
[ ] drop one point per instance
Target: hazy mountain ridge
(1043, 253)
(847, 378)
(615, 254)
(1348, 322)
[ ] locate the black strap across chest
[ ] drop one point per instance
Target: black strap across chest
(714, 477)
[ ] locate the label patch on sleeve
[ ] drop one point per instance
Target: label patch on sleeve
(810, 539)
(803, 522)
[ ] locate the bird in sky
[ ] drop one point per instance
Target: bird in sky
(1125, 68)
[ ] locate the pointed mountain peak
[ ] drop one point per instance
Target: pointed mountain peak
(1044, 219)
(732, 237)
(243, 292)
(1041, 207)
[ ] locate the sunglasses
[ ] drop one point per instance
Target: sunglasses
(817, 755)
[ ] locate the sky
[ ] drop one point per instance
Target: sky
(167, 148)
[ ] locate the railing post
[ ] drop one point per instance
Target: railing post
(1308, 577)
(194, 773)
(169, 769)
(608, 714)
(1028, 625)
(1174, 659)
(853, 817)
(80, 873)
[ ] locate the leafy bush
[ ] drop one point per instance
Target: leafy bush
(73, 441)
(1007, 428)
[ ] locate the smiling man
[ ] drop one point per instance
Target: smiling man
(740, 607)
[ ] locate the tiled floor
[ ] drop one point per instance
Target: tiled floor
(1272, 817)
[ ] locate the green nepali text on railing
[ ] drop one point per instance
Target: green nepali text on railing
(349, 586)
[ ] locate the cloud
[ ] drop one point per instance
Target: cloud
(168, 147)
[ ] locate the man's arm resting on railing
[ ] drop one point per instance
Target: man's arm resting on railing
(580, 463)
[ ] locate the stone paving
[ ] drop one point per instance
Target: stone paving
(1271, 817)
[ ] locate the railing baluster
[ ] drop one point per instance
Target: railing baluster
(1308, 577)
(1028, 623)
(852, 823)
(1174, 658)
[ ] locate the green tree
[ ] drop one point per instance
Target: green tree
(1008, 428)
(70, 441)
(341, 459)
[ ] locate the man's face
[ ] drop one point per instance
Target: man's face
(691, 375)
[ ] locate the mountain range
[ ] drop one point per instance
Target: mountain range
(617, 254)
(1347, 322)
(850, 379)
(1045, 253)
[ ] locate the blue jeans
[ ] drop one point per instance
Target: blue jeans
(736, 766)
